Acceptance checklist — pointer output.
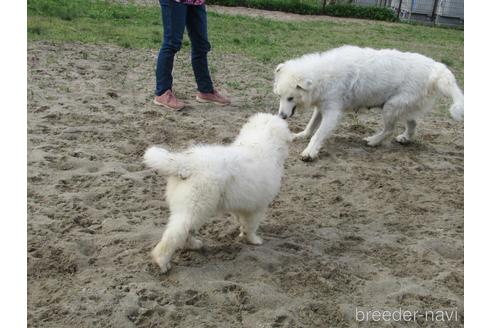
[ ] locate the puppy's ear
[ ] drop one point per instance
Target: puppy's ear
(304, 84)
(279, 67)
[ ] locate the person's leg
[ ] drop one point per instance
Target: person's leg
(173, 21)
(196, 25)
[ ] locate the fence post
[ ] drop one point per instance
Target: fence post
(434, 10)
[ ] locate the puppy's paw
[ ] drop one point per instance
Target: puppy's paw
(165, 266)
(403, 139)
(161, 261)
(308, 156)
(300, 135)
(254, 240)
(194, 243)
(251, 239)
(372, 141)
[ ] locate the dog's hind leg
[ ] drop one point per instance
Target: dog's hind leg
(190, 208)
(426, 105)
(311, 126)
(390, 116)
(407, 135)
(249, 224)
(174, 237)
(177, 233)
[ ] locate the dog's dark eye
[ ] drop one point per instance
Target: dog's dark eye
(290, 98)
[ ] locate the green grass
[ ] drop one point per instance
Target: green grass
(263, 40)
(313, 7)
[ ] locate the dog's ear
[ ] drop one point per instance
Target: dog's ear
(279, 67)
(304, 84)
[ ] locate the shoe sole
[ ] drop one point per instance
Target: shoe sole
(211, 101)
(166, 106)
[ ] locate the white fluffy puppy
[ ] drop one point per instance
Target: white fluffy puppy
(404, 84)
(241, 178)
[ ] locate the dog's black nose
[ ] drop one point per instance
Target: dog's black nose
(282, 116)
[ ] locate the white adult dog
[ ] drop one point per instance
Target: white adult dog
(241, 178)
(404, 84)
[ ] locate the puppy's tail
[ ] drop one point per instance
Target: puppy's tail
(167, 163)
(446, 84)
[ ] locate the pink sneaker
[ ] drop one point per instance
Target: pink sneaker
(168, 100)
(213, 97)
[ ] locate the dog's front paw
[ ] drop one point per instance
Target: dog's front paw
(403, 139)
(308, 156)
(300, 135)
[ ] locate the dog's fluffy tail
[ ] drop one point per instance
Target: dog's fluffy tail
(169, 164)
(446, 84)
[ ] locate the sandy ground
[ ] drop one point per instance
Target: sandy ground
(361, 227)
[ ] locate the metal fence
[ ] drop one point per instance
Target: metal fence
(439, 12)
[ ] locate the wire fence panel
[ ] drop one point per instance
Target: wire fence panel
(440, 12)
(451, 8)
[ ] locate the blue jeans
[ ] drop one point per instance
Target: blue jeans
(175, 17)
